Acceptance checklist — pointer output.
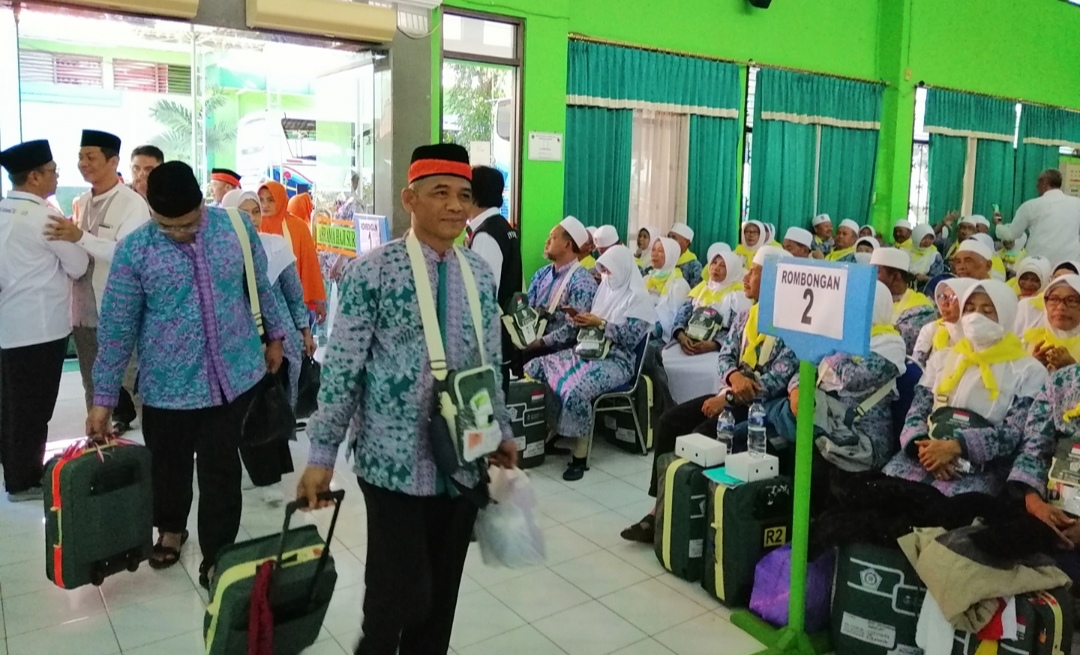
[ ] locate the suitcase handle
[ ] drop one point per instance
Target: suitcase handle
(290, 509)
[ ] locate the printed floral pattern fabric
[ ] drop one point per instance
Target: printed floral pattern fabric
(579, 294)
(185, 307)
(774, 373)
(377, 374)
(294, 317)
(691, 272)
(1046, 425)
(575, 382)
(911, 321)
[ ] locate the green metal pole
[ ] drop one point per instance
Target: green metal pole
(800, 522)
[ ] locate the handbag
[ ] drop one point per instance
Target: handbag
(463, 429)
(307, 387)
(269, 417)
(943, 423)
(592, 343)
(524, 324)
(704, 323)
(839, 434)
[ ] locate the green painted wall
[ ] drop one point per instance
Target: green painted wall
(1014, 48)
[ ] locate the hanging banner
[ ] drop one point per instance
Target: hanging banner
(1070, 173)
(335, 235)
(370, 232)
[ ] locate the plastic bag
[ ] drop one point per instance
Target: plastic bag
(506, 529)
(772, 589)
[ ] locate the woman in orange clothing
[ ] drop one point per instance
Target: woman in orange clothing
(278, 220)
(301, 206)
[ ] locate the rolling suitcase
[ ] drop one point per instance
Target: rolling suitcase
(679, 539)
(618, 426)
(745, 521)
(526, 405)
(877, 598)
(99, 515)
(1044, 627)
(300, 587)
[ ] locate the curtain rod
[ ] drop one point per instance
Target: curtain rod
(924, 85)
(622, 44)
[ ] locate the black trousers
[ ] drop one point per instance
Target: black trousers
(686, 418)
(125, 408)
(416, 553)
(31, 377)
(176, 437)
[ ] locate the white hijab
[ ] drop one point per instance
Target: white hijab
(761, 240)
(890, 346)
(1039, 266)
(1072, 281)
(654, 234)
(734, 264)
(672, 252)
(278, 253)
(621, 294)
(959, 286)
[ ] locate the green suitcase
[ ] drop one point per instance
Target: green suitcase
(744, 522)
(526, 406)
(300, 590)
(1044, 627)
(99, 515)
(877, 598)
(679, 538)
(617, 426)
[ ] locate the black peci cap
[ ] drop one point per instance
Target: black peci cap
(172, 190)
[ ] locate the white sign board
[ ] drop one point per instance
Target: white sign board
(545, 146)
(810, 299)
(480, 153)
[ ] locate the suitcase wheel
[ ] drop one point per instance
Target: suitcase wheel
(97, 577)
(132, 563)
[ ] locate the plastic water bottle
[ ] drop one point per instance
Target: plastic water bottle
(725, 427)
(755, 438)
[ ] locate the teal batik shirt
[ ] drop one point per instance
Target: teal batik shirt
(376, 381)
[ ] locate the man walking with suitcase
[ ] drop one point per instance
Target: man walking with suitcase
(378, 378)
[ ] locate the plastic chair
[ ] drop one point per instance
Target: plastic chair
(905, 391)
(621, 399)
(931, 284)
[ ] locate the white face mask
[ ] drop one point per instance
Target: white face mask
(863, 257)
(981, 331)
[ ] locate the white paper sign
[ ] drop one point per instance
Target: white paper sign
(480, 153)
(545, 146)
(810, 299)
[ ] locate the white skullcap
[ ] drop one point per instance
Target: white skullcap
(767, 252)
(892, 258)
(978, 219)
(591, 230)
(970, 220)
(978, 247)
(799, 235)
(904, 223)
(576, 230)
(683, 230)
(851, 225)
(605, 236)
(821, 218)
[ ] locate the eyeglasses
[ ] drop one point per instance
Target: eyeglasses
(1070, 302)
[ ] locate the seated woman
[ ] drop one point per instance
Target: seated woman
(690, 360)
(926, 261)
(752, 233)
(943, 333)
(868, 231)
(989, 377)
(666, 285)
(864, 249)
(1030, 312)
(1032, 274)
(1012, 253)
(646, 237)
(1056, 343)
(623, 313)
(850, 382)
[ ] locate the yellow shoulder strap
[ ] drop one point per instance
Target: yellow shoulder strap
(249, 267)
(285, 232)
(669, 484)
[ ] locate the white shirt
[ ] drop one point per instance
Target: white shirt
(1052, 222)
(128, 208)
(486, 246)
(35, 274)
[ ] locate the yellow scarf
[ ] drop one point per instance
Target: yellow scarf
(998, 266)
(911, 300)
(588, 263)
(705, 297)
(686, 258)
(906, 245)
(745, 253)
(941, 335)
(1071, 414)
(1012, 256)
(1042, 334)
(837, 255)
(1039, 302)
(1009, 349)
(657, 281)
(883, 328)
(754, 340)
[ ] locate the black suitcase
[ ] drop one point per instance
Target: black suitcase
(526, 406)
(877, 598)
(301, 586)
(1044, 627)
(744, 523)
(679, 539)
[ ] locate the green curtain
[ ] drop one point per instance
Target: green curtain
(789, 108)
(597, 154)
(994, 167)
(1054, 128)
(946, 174)
(712, 188)
(846, 173)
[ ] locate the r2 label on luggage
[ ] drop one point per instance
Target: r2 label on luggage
(775, 537)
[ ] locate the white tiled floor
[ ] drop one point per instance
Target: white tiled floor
(596, 594)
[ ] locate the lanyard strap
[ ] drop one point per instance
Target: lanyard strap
(428, 314)
(557, 293)
(249, 268)
(285, 231)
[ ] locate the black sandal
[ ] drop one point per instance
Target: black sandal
(170, 556)
(204, 575)
(643, 531)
